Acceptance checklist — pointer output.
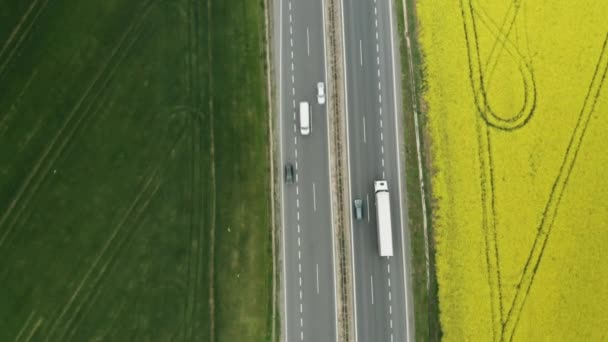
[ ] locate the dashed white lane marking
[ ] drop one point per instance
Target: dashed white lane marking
(299, 233)
(297, 202)
(367, 201)
(299, 268)
(302, 335)
(293, 79)
(382, 162)
(389, 296)
(298, 241)
(371, 281)
(389, 282)
(289, 5)
(290, 30)
(292, 66)
(300, 280)
(299, 255)
(380, 123)
(390, 309)
(376, 21)
(317, 278)
(380, 98)
(300, 307)
(297, 189)
(296, 152)
(382, 149)
(377, 47)
(300, 294)
(295, 140)
(314, 197)
(298, 220)
(364, 136)
(293, 91)
(296, 164)
(301, 320)
(290, 18)
(376, 34)
(307, 41)
(378, 60)
(291, 42)
(388, 267)
(360, 52)
(381, 136)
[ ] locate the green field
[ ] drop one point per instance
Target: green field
(134, 171)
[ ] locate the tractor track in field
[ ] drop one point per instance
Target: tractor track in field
(212, 173)
(557, 190)
(19, 33)
(79, 114)
(197, 218)
(93, 277)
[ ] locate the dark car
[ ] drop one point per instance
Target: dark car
(289, 173)
(358, 209)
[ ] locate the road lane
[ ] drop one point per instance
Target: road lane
(308, 246)
(371, 88)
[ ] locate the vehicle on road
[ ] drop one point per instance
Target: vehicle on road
(358, 209)
(321, 93)
(304, 118)
(289, 173)
(383, 213)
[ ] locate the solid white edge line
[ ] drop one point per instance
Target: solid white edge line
(352, 246)
(331, 206)
(280, 111)
(397, 151)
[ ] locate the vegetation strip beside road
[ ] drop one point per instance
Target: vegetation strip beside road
(426, 310)
(134, 171)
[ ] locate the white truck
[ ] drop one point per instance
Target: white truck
(383, 216)
(304, 118)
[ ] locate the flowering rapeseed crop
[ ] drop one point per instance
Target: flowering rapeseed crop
(518, 118)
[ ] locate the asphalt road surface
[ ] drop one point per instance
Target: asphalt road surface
(309, 280)
(383, 297)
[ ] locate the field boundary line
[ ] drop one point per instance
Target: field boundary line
(557, 190)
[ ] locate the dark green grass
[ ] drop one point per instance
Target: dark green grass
(109, 190)
(426, 308)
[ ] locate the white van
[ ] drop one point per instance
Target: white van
(304, 118)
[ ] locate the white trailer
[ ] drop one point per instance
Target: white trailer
(383, 215)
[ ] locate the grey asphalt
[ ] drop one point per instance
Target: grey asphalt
(308, 282)
(383, 297)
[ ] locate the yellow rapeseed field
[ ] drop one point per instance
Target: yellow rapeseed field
(518, 121)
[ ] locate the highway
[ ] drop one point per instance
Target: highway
(308, 278)
(383, 298)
